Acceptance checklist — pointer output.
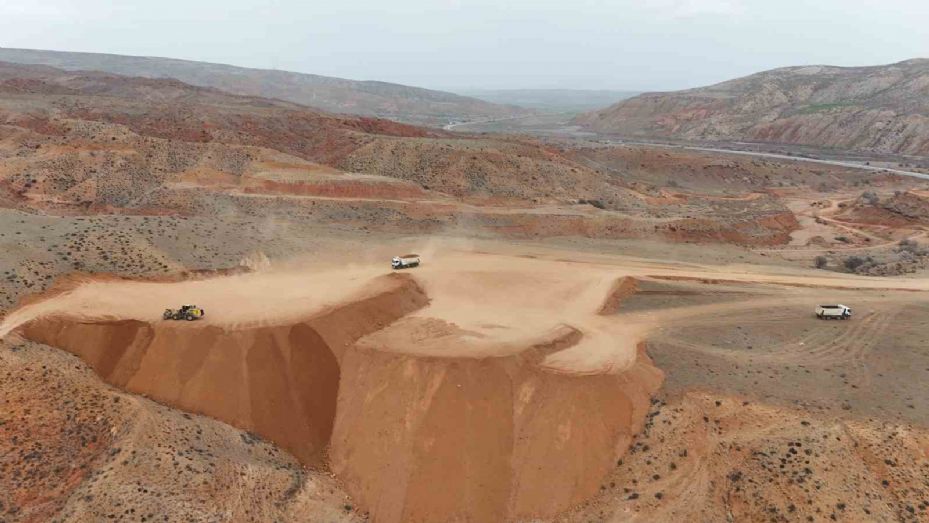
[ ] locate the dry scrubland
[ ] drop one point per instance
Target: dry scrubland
(605, 333)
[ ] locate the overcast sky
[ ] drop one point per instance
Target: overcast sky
(460, 44)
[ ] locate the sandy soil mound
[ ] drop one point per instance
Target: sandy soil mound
(280, 382)
(432, 396)
(505, 416)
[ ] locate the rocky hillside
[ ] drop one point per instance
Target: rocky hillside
(380, 99)
(63, 126)
(97, 143)
(879, 109)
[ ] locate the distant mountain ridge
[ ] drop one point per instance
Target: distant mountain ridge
(366, 98)
(552, 100)
(880, 109)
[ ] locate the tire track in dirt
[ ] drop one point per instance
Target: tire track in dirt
(818, 348)
(846, 351)
(854, 341)
(777, 351)
(856, 345)
(822, 340)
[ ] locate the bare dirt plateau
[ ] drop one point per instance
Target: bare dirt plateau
(471, 358)
(498, 384)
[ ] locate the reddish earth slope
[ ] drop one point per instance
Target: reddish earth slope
(87, 143)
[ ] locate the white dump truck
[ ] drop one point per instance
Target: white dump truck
(404, 262)
(830, 312)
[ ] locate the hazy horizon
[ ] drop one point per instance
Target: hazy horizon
(469, 45)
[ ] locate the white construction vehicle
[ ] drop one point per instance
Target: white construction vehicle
(404, 262)
(833, 312)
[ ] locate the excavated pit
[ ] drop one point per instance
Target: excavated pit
(422, 412)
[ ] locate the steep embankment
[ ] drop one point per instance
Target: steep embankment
(279, 382)
(882, 109)
(497, 424)
(490, 439)
(429, 406)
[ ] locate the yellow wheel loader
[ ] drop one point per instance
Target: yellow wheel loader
(186, 312)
